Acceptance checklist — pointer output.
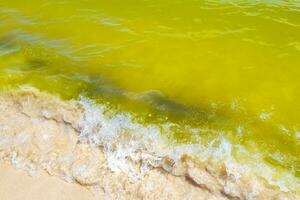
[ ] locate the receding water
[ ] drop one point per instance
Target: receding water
(229, 67)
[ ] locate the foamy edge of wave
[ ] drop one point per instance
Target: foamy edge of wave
(126, 142)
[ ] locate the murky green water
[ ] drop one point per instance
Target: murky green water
(229, 67)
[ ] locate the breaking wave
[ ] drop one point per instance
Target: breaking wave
(126, 142)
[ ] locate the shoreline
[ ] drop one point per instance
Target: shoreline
(41, 133)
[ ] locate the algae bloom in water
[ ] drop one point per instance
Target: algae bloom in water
(217, 69)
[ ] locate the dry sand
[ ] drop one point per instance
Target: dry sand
(39, 137)
(17, 185)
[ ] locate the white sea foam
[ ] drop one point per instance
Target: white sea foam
(126, 142)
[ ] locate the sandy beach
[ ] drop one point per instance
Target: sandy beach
(18, 185)
(42, 157)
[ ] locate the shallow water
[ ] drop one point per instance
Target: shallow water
(216, 68)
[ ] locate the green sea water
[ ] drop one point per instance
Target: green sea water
(229, 67)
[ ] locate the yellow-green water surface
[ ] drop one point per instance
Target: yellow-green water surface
(228, 65)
